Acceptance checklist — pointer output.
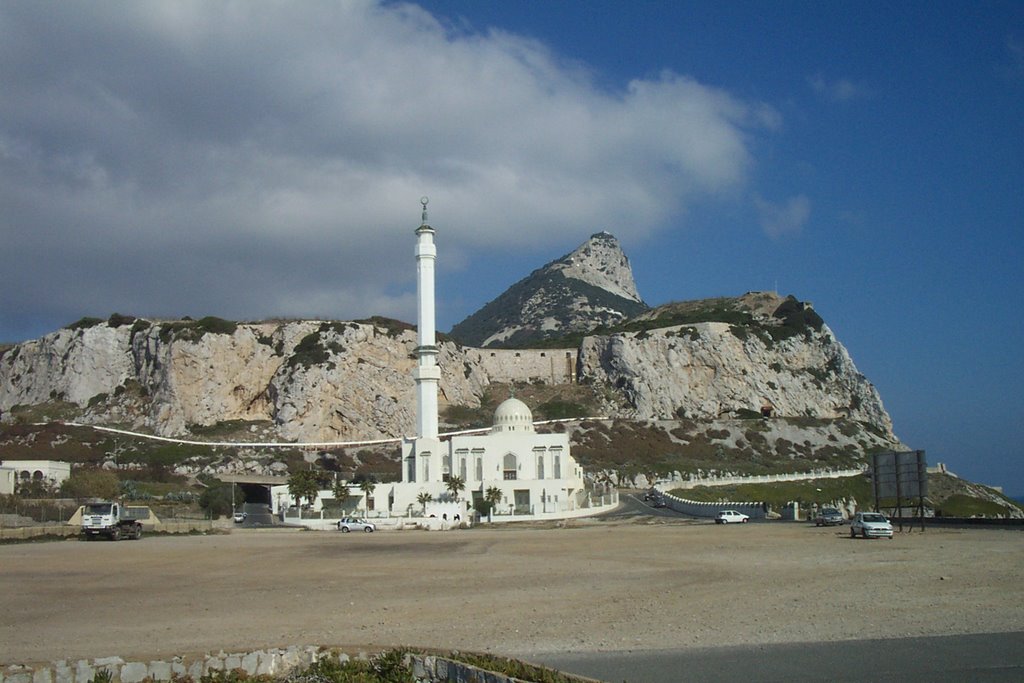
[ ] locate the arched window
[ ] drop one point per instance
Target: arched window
(510, 466)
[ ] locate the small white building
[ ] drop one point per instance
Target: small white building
(53, 472)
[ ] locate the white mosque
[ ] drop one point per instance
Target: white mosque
(535, 474)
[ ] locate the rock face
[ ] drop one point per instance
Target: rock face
(313, 381)
(592, 286)
(719, 357)
(704, 371)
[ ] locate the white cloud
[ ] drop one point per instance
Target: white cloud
(786, 218)
(841, 90)
(257, 159)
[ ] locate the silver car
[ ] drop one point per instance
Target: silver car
(829, 517)
(348, 524)
(870, 525)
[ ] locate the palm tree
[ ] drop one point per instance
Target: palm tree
(423, 498)
(493, 496)
(454, 485)
(367, 486)
(340, 491)
(303, 484)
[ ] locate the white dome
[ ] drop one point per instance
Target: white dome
(513, 416)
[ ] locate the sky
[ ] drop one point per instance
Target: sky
(255, 159)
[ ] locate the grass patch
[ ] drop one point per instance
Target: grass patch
(963, 505)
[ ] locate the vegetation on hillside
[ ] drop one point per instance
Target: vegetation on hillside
(789, 319)
(657, 449)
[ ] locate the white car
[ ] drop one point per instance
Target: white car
(347, 524)
(870, 525)
(731, 516)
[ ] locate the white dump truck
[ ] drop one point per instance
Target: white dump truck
(110, 519)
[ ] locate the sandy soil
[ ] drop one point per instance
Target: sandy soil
(589, 586)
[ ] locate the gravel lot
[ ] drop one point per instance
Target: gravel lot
(588, 586)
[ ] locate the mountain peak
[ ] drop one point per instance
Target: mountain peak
(601, 262)
(591, 286)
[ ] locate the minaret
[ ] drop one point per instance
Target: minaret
(427, 374)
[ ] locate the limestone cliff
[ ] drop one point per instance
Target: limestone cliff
(311, 381)
(718, 358)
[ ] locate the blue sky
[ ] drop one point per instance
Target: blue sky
(260, 159)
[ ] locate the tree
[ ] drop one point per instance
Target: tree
(91, 483)
(423, 498)
(340, 490)
(493, 497)
(216, 499)
(34, 488)
(367, 486)
(303, 484)
(454, 485)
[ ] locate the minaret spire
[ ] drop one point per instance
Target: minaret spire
(427, 374)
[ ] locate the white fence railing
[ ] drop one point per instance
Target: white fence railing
(696, 481)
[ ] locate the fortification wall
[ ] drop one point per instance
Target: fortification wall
(551, 366)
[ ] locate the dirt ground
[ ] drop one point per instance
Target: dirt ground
(585, 587)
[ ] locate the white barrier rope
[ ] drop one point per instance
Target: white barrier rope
(290, 444)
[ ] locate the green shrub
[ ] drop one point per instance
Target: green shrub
(308, 352)
(84, 323)
(117, 320)
(102, 676)
(560, 410)
(193, 330)
(390, 326)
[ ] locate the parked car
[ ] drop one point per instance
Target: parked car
(348, 524)
(870, 525)
(654, 498)
(731, 516)
(240, 517)
(829, 517)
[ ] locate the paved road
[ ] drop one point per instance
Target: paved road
(980, 658)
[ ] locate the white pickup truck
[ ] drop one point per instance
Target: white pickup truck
(109, 519)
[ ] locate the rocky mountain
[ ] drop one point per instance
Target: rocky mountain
(315, 381)
(708, 359)
(590, 287)
(307, 380)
